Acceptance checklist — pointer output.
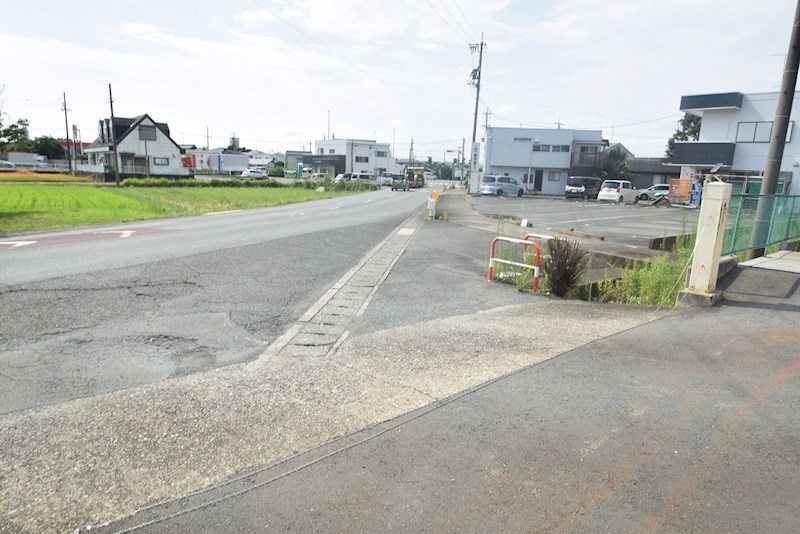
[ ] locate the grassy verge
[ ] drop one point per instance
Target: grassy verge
(23, 177)
(30, 207)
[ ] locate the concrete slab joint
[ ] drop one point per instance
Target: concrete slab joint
(322, 329)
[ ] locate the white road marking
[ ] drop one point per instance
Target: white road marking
(222, 212)
(122, 233)
(16, 244)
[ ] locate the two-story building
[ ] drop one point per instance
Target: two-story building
(542, 159)
(334, 156)
(735, 133)
(144, 147)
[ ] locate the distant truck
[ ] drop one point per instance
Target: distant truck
(415, 176)
(26, 159)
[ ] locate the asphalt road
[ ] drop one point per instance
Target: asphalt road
(624, 223)
(96, 310)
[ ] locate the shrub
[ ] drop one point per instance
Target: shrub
(565, 265)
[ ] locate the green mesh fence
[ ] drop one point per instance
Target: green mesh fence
(780, 213)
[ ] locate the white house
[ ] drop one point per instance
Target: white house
(735, 131)
(360, 155)
(144, 147)
(542, 159)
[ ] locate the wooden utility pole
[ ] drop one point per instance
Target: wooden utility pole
(113, 138)
(66, 127)
(777, 142)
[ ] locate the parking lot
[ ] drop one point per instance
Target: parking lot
(631, 224)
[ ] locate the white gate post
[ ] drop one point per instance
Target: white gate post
(701, 290)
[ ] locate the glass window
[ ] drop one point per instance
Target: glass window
(763, 131)
(160, 161)
(147, 132)
(331, 151)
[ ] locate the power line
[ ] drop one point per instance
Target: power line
(460, 37)
(454, 20)
(465, 18)
(340, 56)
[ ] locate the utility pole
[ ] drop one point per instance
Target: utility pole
(329, 124)
(461, 178)
(208, 140)
(66, 127)
(113, 137)
(777, 141)
(411, 154)
(476, 79)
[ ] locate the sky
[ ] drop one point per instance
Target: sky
(281, 74)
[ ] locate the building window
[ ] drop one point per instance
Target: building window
(381, 153)
(362, 159)
(160, 161)
(541, 148)
(525, 139)
(758, 132)
(147, 132)
(560, 148)
(555, 176)
(331, 151)
(320, 151)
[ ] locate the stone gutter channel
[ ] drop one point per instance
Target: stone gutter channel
(323, 328)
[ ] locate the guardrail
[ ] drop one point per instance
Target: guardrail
(525, 244)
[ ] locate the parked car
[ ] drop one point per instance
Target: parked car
(254, 173)
(501, 185)
(343, 177)
(399, 182)
(585, 187)
(616, 191)
(654, 191)
(320, 176)
(386, 178)
(363, 177)
(7, 165)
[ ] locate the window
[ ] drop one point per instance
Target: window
(758, 132)
(160, 161)
(555, 176)
(320, 151)
(331, 151)
(560, 148)
(147, 132)
(381, 153)
(541, 148)
(362, 159)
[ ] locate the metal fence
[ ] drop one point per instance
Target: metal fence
(782, 212)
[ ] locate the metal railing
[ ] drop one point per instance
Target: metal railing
(784, 222)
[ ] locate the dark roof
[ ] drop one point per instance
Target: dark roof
(651, 166)
(123, 126)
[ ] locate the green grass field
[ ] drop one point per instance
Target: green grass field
(31, 207)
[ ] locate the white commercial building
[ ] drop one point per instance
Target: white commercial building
(735, 132)
(542, 159)
(360, 155)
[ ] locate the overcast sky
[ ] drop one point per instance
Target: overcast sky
(274, 72)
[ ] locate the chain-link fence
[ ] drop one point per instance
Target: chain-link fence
(781, 216)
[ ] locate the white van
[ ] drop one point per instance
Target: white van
(616, 191)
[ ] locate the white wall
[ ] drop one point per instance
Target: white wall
(162, 147)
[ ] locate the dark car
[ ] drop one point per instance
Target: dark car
(585, 187)
(399, 182)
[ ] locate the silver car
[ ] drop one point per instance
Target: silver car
(501, 185)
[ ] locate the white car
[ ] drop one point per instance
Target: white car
(386, 178)
(654, 191)
(616, 191)
(254, 173)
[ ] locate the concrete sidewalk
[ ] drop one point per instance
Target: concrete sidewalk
(543, 415)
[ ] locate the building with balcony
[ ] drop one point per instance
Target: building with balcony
(543, 158)
(144, 148)
(334, 156)
(735, 133)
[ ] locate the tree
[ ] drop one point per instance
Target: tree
(613, 166)
(15, 137)
(688, 130)
(48, 146)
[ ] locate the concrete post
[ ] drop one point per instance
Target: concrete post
(701, 290)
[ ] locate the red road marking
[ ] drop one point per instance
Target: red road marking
(77, 237)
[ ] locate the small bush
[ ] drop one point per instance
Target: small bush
(565, 265)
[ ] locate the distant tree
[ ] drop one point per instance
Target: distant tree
(15, 137)
(688, 130)
(48, 146)
(613, 166)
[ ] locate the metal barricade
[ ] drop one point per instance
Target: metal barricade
(525, 244)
